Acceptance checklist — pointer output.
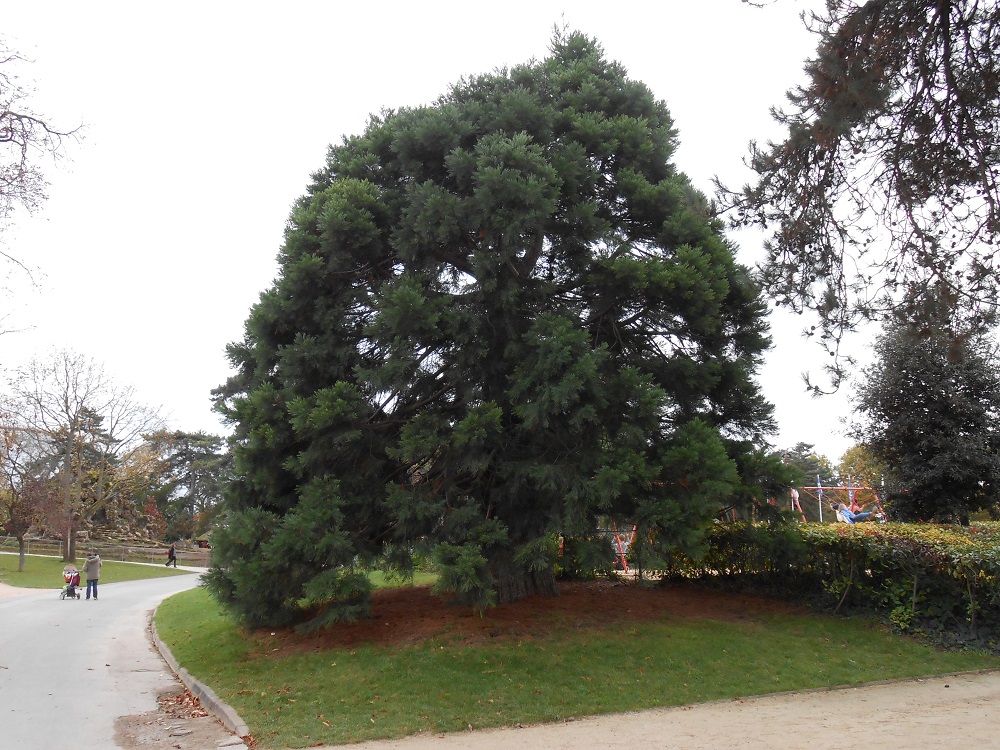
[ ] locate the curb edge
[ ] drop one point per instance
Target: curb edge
(225, 713)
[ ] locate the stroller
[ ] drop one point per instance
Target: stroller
(72, 578)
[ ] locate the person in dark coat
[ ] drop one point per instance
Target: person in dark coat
(92, 571)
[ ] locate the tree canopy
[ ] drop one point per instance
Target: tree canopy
(861, 469)
(886, 183)
(25, 495)
(194, 467)
(809, 466)
(928, 411)
(497, 319)
(88, 438)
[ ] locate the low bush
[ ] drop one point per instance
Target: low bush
(938, 581)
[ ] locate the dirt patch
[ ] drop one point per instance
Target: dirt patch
(403, 616)
(180, 723)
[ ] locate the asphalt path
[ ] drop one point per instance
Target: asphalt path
(69, 668)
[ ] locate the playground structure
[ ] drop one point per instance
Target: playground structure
(827, 498)
(812, 504)
(820, 501)
(622, 541)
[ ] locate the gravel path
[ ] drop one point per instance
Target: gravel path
(926, 714)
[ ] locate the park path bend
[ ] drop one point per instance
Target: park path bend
(69, 668)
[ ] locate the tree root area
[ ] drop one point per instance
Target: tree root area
(408, 615)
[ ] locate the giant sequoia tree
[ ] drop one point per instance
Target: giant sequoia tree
(887, 182)
(496, 319)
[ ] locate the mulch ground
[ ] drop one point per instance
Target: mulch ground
(408, 615)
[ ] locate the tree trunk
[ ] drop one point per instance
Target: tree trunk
(67, 495)
(69, 543)
(513, 582)
(22, 551)
(72, 541)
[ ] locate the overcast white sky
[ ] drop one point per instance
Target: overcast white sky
(203, 121)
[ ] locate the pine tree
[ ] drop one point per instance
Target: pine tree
(810, 466)
(497, 318)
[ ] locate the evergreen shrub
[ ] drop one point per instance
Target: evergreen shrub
(934, 580)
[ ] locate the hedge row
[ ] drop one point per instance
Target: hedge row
(941, 581)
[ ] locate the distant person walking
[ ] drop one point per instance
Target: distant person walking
(172, 556)
(92, 571)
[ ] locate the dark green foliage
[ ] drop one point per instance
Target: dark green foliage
(888, 175)
(497, 318)
(195, 470)
(587, 556)
(942, 581)
(770, 553)
(929, 409)
(766, 478)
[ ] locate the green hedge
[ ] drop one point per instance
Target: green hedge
(941, 581)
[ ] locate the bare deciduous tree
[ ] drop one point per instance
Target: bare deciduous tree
(27, 138)
(94, 429)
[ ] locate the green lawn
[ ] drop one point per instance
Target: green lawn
(42, 572)
(333, 696)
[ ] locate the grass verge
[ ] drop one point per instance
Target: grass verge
(47, 572)
(353, 694)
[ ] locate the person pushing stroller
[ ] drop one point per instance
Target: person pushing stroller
(92, 569)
